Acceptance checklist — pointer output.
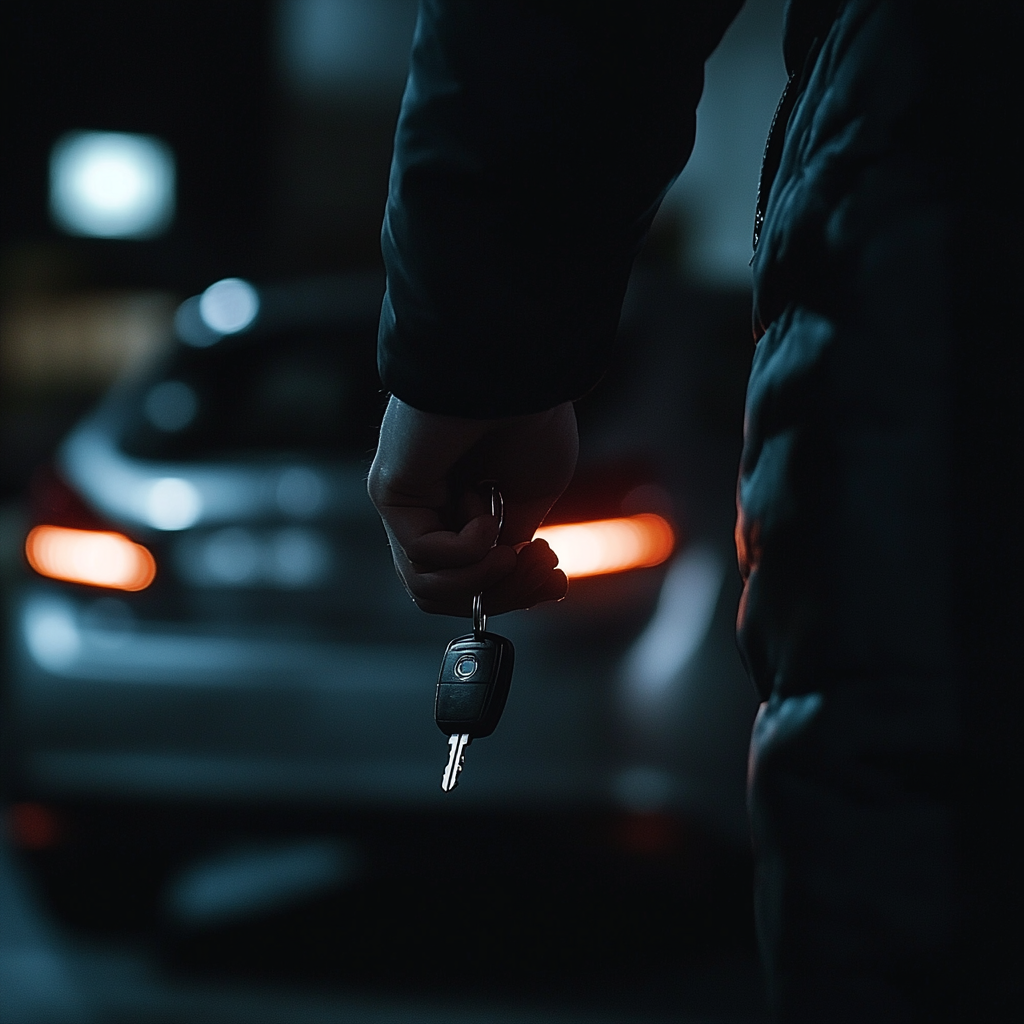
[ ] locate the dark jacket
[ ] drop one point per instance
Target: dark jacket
(530, 159)
(882, 459)
(535, 144)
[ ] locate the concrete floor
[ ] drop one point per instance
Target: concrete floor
(49, 974)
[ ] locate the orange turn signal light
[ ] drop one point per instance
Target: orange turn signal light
(98, 557)
(610, 545)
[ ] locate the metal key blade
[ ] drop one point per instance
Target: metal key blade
(457, 744)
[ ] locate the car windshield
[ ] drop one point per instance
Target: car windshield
(309, 390)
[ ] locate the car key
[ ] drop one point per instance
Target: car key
(472, 688)
(473, 684)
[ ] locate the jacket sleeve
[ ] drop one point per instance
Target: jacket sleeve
(534, 145)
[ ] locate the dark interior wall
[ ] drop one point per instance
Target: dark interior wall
(340, 71)
(331, 163)
(198, 75)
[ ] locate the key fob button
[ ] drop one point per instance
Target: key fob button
(466, 666)
(468, 660)
(461, 702)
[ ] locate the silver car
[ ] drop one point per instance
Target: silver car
(209, 611)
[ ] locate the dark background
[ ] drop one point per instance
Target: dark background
(196, 75)
(281, 174)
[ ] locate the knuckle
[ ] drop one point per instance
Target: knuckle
(375, 485)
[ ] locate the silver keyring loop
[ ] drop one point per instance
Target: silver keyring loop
(497, 509)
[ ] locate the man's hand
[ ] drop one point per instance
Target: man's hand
(429, 483)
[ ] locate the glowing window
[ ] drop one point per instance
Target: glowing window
(111, 185)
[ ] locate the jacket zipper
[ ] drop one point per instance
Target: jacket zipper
(772, 156)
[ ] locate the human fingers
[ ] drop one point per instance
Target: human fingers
(509, 581)
(534, 580)
(451, 591)
(421, 535)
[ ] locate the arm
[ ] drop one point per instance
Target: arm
(535, 143)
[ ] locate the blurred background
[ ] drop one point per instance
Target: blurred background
(220, 776)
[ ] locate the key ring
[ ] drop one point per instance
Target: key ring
(497, 509)
(479, 618)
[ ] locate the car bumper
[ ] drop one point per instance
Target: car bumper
(160, 710)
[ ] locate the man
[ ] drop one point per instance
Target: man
(882, 453)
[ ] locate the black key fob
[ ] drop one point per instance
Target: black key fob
(473, 684)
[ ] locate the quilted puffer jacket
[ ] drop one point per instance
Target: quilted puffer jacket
(879, 488)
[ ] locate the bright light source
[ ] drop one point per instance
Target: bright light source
(229, 306)
(609, 545)
(111, 185)
(96, 557)
(173, 504)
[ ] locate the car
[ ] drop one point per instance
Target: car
(208, 614)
